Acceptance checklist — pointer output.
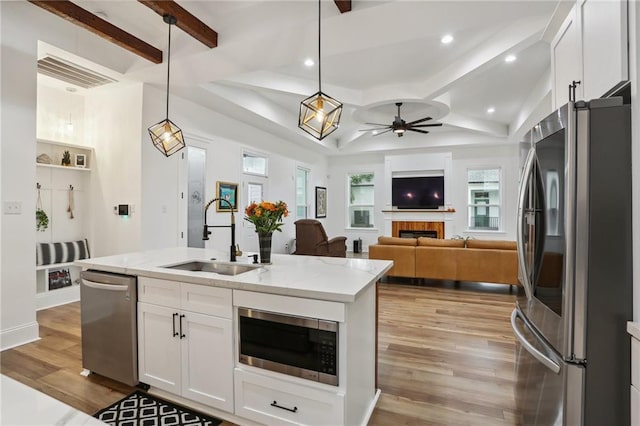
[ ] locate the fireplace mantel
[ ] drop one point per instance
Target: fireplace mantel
(431, 219)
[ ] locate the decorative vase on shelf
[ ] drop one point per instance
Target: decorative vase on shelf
(264, 241)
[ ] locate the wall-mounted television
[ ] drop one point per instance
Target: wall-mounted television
(420, 192)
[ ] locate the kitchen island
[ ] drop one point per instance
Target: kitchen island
(191, 347)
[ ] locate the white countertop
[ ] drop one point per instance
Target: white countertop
(633, 328)
(325, 278)
(22, 405)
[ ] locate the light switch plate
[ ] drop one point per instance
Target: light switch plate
(12, 207)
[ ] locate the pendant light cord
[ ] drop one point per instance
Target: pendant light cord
(168, 69)
(319, 56)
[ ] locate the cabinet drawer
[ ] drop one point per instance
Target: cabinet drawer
(273, 402)
(159, 292)
(207, 300)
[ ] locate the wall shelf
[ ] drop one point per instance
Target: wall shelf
(53, 166)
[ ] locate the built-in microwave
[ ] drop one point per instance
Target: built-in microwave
(298, 346)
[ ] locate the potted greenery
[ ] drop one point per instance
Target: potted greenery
(66, 158)
(42, 220)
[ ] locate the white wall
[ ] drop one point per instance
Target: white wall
(453, 161)
(634, 76)
(113, 117)
(18, 134)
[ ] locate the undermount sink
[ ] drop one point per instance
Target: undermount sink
(216, 267)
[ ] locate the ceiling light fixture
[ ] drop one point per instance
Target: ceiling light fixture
(165, 135)
(319, 113)
(510, 58)
(491, 110)
(309, 62)
(446, 39)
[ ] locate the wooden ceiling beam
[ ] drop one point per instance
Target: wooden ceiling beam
(186, 21)
(87, 20)
(343, 5)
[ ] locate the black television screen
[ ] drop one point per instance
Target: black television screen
(424, 192)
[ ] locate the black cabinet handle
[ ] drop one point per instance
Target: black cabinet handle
(275, 404)
(182, 335)
(175, 333)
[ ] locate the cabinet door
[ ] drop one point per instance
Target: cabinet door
(158, 348)
(604, 45)
(566, 61)
(207, 360)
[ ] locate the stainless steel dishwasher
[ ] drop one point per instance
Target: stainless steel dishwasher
(109, 327)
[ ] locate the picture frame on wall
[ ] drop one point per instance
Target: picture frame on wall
(81, 161)
(321, 202)
(226, 191)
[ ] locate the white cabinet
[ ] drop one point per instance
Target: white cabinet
(590, 47)
(565, 60)
(603, 27)
(276, 402)
(184, 352)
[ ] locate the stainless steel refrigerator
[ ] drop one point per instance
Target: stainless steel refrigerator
(575, 267)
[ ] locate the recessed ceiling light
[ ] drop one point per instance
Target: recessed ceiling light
(510, 58)
(309, 62)
(446, 39)
(491, 110)
(375, 132)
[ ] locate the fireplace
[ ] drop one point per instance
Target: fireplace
(417, 229)
(411, 233)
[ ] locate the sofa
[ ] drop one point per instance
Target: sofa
(458, 260)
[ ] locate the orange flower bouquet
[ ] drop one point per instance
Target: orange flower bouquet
(266, 216)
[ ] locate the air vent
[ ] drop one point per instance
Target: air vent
(71, 73)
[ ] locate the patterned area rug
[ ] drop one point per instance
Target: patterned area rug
(141, 409)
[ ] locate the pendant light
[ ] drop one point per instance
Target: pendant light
(165, 135)
(319, 113)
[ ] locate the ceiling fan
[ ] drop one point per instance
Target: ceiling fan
(399, 126)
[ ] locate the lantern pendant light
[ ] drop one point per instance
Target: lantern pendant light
(319, 113)
(165, 135)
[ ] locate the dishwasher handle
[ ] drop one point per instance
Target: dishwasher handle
(108, 287)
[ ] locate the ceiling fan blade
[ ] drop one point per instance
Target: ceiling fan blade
(378, 134)
(376, 128)
(428, 125)
(377, 124)
(419, 121)
(418, 130)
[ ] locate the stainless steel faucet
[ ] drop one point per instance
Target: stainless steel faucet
(206, 232)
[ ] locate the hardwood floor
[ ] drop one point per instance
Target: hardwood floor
(446, 357)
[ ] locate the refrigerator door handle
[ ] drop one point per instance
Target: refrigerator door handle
(545, 360)
(522, 261)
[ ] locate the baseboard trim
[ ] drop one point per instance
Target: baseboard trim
(18, 336)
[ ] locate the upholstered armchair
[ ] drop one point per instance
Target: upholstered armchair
(311, 239)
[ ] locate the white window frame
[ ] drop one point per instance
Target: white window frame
(499, 205)
(254, 154)
(306, 192)
(349, 205)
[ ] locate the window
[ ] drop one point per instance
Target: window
(484, 199)
(302, 180)
(254, 164)
(361, 200)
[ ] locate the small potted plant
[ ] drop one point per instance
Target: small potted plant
(66, 158)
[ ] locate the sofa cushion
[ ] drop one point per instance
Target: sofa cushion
(492, 244)
(403, 257)
(439, 242)
(395, 241)
(437, 262)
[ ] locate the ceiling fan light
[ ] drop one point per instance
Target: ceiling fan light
(167, 137)
(319, 115)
